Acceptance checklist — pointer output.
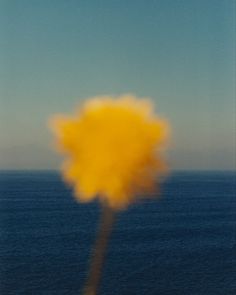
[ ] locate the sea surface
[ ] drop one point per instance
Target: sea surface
(182, 243)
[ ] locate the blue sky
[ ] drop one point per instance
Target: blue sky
(181, 53)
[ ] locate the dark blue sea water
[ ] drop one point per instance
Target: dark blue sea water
(181, 244)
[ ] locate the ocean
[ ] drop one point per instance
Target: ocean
(181, 243)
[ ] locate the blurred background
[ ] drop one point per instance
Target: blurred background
(180, 53)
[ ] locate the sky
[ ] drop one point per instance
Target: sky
(181, 53)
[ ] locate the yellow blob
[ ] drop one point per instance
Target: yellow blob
(113, 147)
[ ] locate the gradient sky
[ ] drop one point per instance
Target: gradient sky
(181, 53)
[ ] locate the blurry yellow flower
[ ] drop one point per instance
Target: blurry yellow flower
(113, 148)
